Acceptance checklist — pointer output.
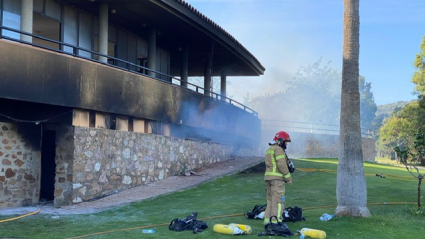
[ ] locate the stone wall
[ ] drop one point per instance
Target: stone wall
(305, 145)
(369, 149)
(20, 166)
(64, 160)
(106, 161)
(92, 162)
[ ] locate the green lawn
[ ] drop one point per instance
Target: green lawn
(385, 160)
(226, 199)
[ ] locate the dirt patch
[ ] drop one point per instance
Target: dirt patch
(168, 185)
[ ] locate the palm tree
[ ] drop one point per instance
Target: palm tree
(351, 188)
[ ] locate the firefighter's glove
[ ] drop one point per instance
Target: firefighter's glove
(288, 180)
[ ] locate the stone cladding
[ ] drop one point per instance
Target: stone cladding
(19, 172)
(94, 162)
(109, 160)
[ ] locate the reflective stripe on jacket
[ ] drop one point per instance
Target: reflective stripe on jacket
(276, 164)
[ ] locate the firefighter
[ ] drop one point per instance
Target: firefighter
(275, 177)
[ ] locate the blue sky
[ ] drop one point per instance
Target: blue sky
(287, 34)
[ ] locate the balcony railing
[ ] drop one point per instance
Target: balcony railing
(308, 127)
(129, 66)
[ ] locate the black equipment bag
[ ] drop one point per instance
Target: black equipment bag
(276, 229)
(255, 211)
(188, 223)
(289, 215)
(293, 214)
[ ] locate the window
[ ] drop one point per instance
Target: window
(11, 17)
(70, 31)
(48, 28)
(85, 34)
(53, 9)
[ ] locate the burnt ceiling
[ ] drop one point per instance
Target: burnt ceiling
(179, 25)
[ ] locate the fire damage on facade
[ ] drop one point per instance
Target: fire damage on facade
(95, 97)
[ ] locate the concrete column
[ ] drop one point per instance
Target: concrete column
(139, 125)
(80, 118)
(103, 31)
(207, 78)
(100, 121)
(166, 129)
(152, 52)
(26, 19)
(122, 123)
(148, 126)
(184, 67)
(223, 83)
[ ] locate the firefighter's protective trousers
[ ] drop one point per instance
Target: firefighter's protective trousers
(275, 200)
(277, 173)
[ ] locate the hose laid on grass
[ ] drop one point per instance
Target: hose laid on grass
(398, 177)
(232, 215)
(222, 216)
(25, 215)
(389, 176)
(207, 218)
(150, 226)
(373, 203)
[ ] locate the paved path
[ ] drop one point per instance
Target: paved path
(168, 185)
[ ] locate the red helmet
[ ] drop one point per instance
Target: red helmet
(282, 135)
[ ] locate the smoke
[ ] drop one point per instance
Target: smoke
(308, 102)
(283, 36)
(213, 120)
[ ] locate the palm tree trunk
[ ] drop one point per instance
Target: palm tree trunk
(351, 182)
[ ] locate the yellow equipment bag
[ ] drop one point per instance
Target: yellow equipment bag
(232, 229)
(313, 233)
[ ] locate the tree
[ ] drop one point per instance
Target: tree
(383, 112)
(396, 131)
(404, 131)
(316, 90)
(368, 106)
(411, 158)
(401, 127)
(313, 95)
(419, 75)
(351, 188)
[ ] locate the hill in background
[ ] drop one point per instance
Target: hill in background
(384, 111)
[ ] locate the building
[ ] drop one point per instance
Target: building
(95, 97)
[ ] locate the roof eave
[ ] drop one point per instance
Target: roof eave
(192, 16)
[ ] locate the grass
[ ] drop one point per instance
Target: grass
(224, 201)
(386, 160)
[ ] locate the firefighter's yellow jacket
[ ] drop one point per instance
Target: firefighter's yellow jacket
(276, 164)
